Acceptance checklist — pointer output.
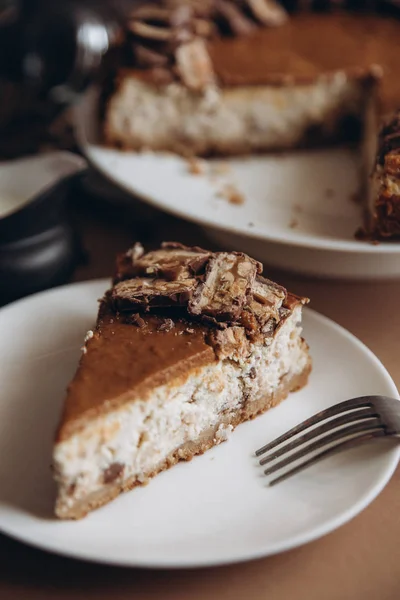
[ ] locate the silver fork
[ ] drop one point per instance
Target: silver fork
(338, 428)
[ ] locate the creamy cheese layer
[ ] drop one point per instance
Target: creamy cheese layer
(265, 117)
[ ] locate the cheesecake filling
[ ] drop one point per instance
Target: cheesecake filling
(235, 120)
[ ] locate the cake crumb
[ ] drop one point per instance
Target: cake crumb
(221, 168)
(293, 224)
(88, 336)
(232, 194)
(223, 432)
(196, 166)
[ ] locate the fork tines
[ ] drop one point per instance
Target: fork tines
(330, 431)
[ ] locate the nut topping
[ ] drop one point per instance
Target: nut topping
(268, 12)
(171, 262)
(223, 290)
(172, 34)
(194, 65)
(229, 278)
(144, 293)
(238, 23)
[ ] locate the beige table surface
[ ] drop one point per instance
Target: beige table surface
(360, 561)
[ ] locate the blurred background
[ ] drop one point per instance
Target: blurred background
(49, 53)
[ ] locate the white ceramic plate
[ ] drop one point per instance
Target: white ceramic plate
(299, 211)
(215, 509)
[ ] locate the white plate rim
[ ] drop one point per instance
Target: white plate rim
(289, 238)
(296, 541)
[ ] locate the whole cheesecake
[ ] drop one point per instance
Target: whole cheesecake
(230, 77)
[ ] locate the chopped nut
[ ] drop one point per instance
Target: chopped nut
(268, 12)
(229, 278)
(145, 57)
(204, 29)
(137, 320)
(263, 304)
(268, 292)
(167, 325)
(150, 12)
(147, 293)
(126, 261)
(113, 472)
(151, 32)
(194, 65)
(162, 76)
(171, 263)
(291, 301)
(181, 16)
(237, 20)
(230, 342)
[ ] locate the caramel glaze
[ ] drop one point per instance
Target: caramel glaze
(310, 44)
(123, 358)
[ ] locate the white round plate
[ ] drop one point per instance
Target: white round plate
(215, 509)
(298, 212)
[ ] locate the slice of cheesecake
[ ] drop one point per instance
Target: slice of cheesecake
(383, 210)
(187, 345)
(276, 82)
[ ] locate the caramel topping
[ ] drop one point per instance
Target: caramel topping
(122, 359)
(310, 44)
